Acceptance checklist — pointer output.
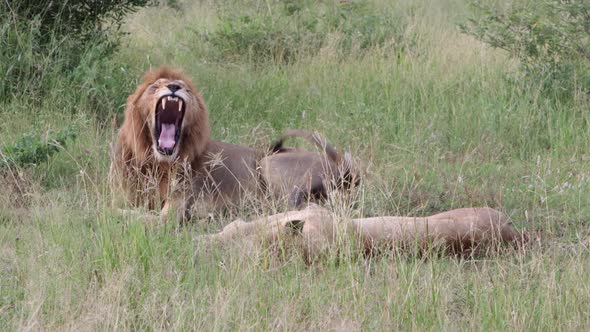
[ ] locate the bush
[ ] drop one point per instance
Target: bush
(258, 38)
(295, 28)
(31, 149)
(82, 19)
(551, 38)
(41, 40)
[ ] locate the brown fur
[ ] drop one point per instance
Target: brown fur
(304, 175)
(135, 135)
(211, 172)
(457, 231)
(144, 178)
(293, 174)
(217, 169)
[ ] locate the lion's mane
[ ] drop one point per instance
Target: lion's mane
(133, 156)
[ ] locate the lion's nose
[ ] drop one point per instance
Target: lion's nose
(173, 87)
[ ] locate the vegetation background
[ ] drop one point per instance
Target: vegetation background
(446, 103)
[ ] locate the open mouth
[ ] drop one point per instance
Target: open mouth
(169, 114)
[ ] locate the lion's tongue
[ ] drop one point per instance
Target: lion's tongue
(167, 134)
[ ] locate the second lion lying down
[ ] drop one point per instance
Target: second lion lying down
(316, 230)
(164, 157)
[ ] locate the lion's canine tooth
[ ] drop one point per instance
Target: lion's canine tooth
(163, 103)
(180, 105)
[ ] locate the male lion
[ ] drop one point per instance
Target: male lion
(164, 156)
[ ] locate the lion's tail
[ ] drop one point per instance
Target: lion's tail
(314, 138)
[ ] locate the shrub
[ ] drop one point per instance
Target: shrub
(258, 38)
(551, 38)
(19, 160)
(42, 40)
(295, 28)
(32, 149)
(83, 19)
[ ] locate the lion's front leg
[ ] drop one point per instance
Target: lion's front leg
(183, 213)
(171, 204)
(177, 190)
(181, 206)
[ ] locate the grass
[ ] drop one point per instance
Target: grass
(436, 125)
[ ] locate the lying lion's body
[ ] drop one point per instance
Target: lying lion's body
(164, 157)
(316, 230)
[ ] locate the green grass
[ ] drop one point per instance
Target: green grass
(436, 125)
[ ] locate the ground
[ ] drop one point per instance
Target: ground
(431, 114)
